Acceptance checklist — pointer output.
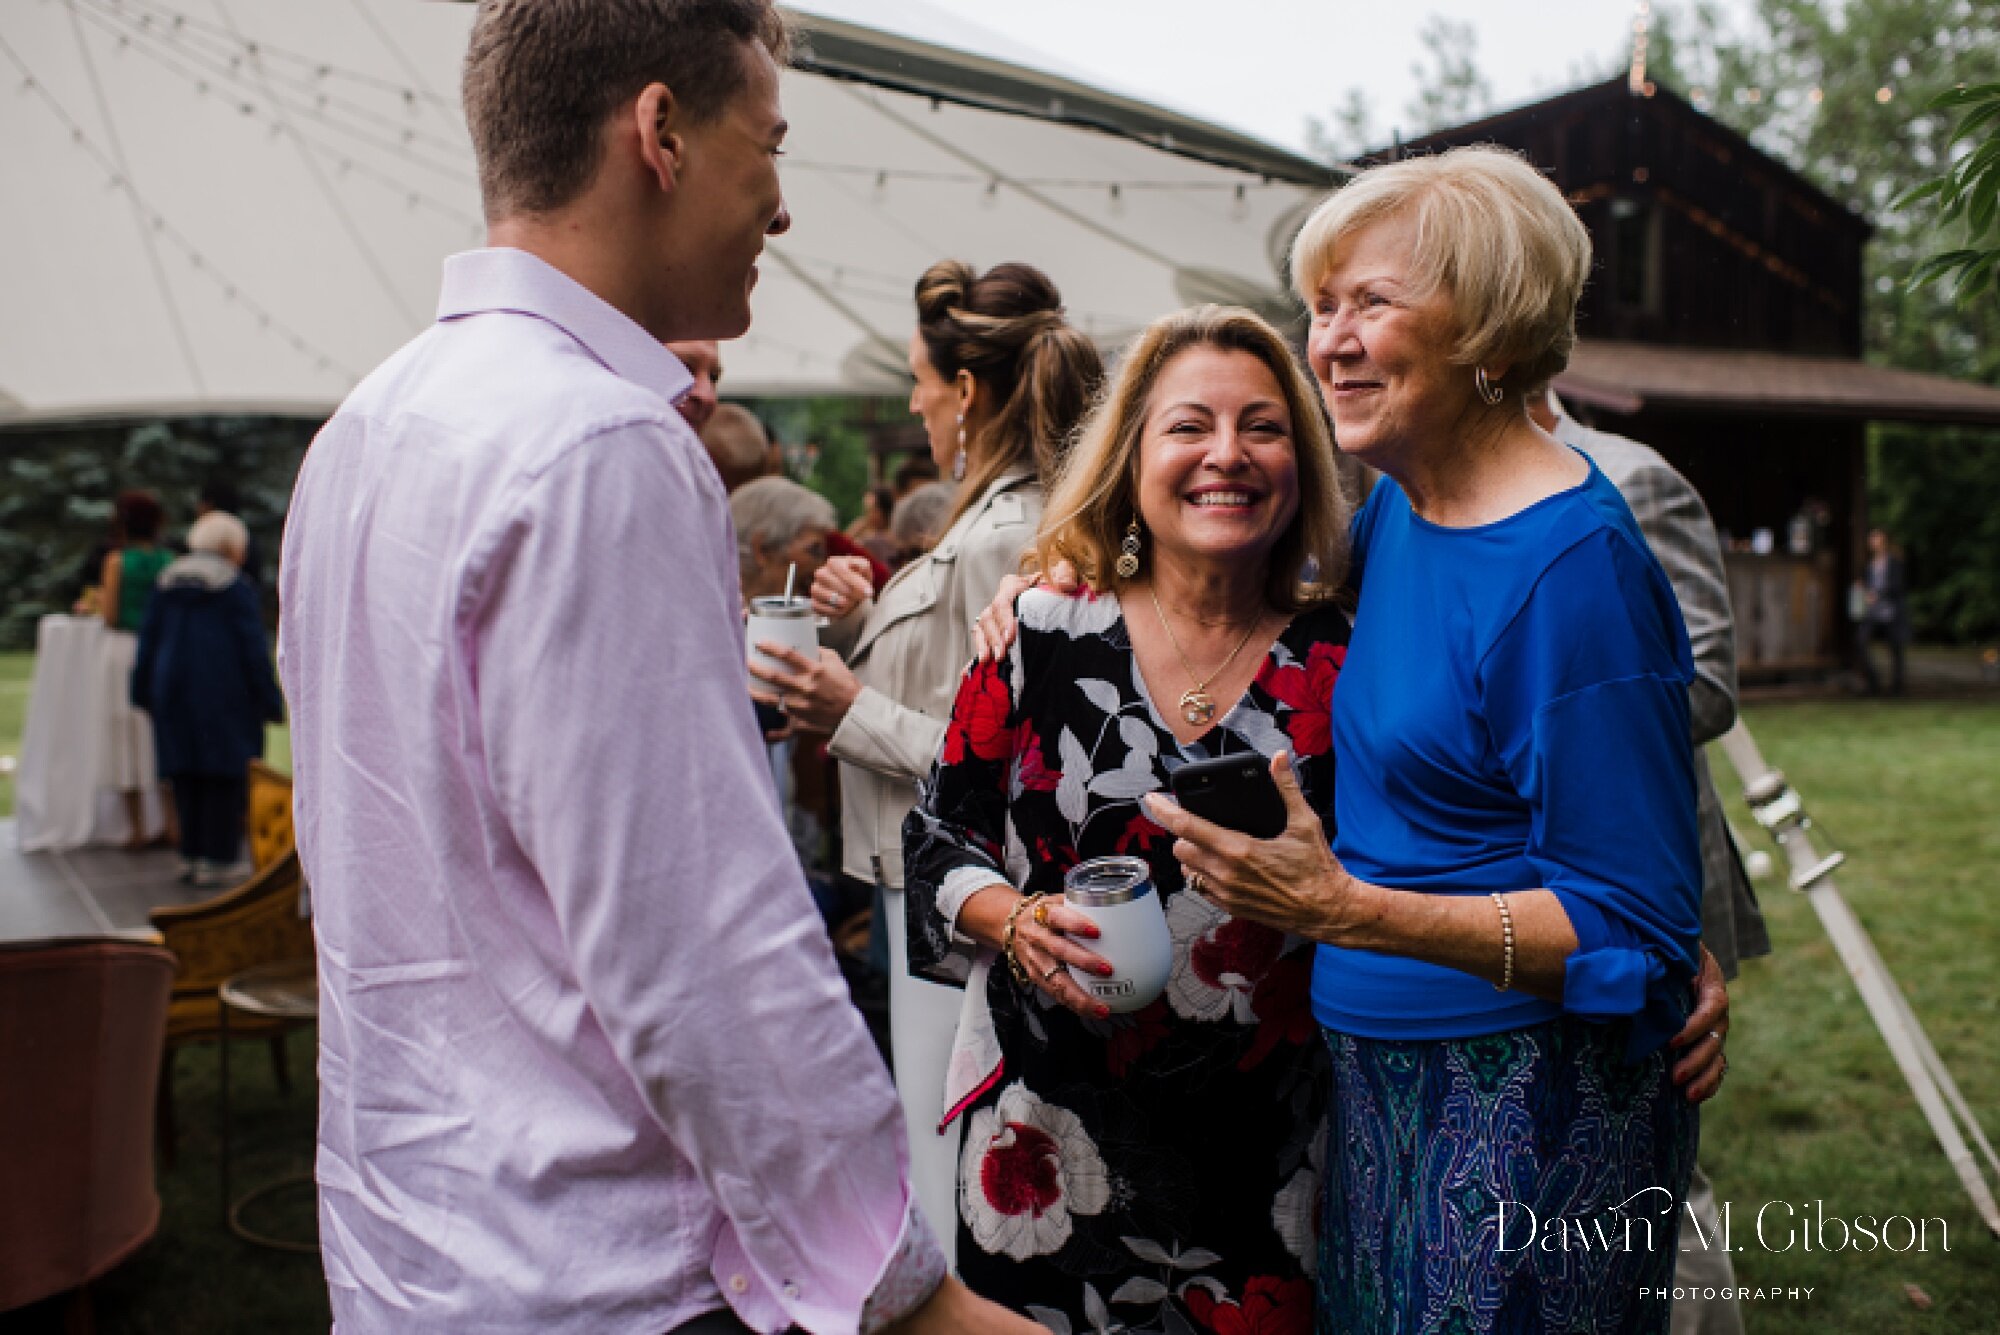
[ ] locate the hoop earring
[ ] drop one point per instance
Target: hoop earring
(1489, 392)
(958, 460)
(1127, 564)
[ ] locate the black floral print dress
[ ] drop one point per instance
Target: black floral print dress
(1158, 1171)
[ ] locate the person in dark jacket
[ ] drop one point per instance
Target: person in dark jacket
(204, 675)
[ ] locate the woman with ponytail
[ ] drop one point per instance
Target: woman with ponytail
(1002, 380)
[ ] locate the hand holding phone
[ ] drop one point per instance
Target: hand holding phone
(1235, 792)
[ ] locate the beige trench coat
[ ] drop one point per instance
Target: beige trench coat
(909, 648)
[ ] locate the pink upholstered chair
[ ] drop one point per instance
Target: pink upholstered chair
(81, 1027)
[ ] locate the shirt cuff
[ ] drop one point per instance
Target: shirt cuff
(912, 1274)
(960, 885)
(1611, 977)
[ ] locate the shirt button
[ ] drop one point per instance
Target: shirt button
(791, 1291)
(737, 1284)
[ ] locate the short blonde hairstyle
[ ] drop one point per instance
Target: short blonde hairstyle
(220, 533)
(1097, 492)
(1493, 234)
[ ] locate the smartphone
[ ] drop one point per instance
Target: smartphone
(1236, 792)
(770, 718)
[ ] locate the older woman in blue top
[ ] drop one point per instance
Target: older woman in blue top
(1510, 913)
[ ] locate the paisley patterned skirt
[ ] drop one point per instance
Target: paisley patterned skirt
(1523, 1182)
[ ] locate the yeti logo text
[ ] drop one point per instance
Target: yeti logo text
(1117, 987)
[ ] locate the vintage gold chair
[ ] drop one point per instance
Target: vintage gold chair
(257, 922)
(270, 817)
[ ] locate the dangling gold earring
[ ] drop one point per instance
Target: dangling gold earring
(1488, 391)
(958, 460)
(1127, 564)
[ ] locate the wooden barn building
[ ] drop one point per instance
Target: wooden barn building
(1723, 327)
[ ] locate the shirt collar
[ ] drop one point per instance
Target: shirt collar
(502, 279)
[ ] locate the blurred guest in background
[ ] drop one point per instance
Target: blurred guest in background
(779, 525)
(918, 521)
(221, 495)
(913, 473)
(703, 359)
(204, 675)
(740, 446)
(1885, 612)
(876, 507)
(125, 591)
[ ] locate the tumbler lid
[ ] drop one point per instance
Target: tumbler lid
(781, 608)
(1105, 881)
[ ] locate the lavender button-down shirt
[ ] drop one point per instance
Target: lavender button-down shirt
(586, 1062)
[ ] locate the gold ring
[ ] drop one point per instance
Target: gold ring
(1195, 881)
(1050, 972)
(1041, 913)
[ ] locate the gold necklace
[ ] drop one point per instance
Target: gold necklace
(1197, 705)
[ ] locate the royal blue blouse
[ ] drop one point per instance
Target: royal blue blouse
(1513, 714)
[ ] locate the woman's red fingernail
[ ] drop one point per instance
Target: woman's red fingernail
(1103, 1012)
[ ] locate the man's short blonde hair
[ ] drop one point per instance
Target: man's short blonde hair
(1493, 234)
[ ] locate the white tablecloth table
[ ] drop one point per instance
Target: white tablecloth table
(62, 799)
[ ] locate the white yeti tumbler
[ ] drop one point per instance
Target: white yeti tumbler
(1117, 894)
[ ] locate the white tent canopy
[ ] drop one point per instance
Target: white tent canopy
(229, 205)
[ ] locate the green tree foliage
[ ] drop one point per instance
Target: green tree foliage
(1449, 90)
(1967, 192)
(1845, 93)
(825, 442)
(56, 487)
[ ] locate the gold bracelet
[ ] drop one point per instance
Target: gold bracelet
(1014, 965)
(1506, 941)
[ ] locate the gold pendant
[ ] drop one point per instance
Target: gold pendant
(1196, 707)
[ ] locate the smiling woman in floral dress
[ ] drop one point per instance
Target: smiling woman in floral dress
(1162, 1168)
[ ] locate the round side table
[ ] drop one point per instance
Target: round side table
(287, 991)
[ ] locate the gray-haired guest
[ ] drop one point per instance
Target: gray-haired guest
(919, 520)
(204, 674)
(779, 525)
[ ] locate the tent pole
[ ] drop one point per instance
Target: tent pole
(1779, 809)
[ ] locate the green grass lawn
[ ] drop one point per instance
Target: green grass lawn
(16, 671)
(1814, 1109)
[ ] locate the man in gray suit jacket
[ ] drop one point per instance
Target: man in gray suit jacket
(1677, 527)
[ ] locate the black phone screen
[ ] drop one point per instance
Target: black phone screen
(1236, 792)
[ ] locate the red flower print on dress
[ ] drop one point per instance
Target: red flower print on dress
(1218, 960)
(1033, 773)
(1269, 1306)
(1139, 833)
(979, 718)
(1307, 694)
(1027, 1168)
(1135, 1037)
(1283, 1004)
(1060, 856)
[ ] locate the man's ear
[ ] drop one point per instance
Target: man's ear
(657, 116)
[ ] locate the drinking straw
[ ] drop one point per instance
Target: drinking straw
(791, 574)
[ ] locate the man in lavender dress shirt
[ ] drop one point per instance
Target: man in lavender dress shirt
(586, 1061)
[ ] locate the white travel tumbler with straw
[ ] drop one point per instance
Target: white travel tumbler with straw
(782, 620)
(1117, 894)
